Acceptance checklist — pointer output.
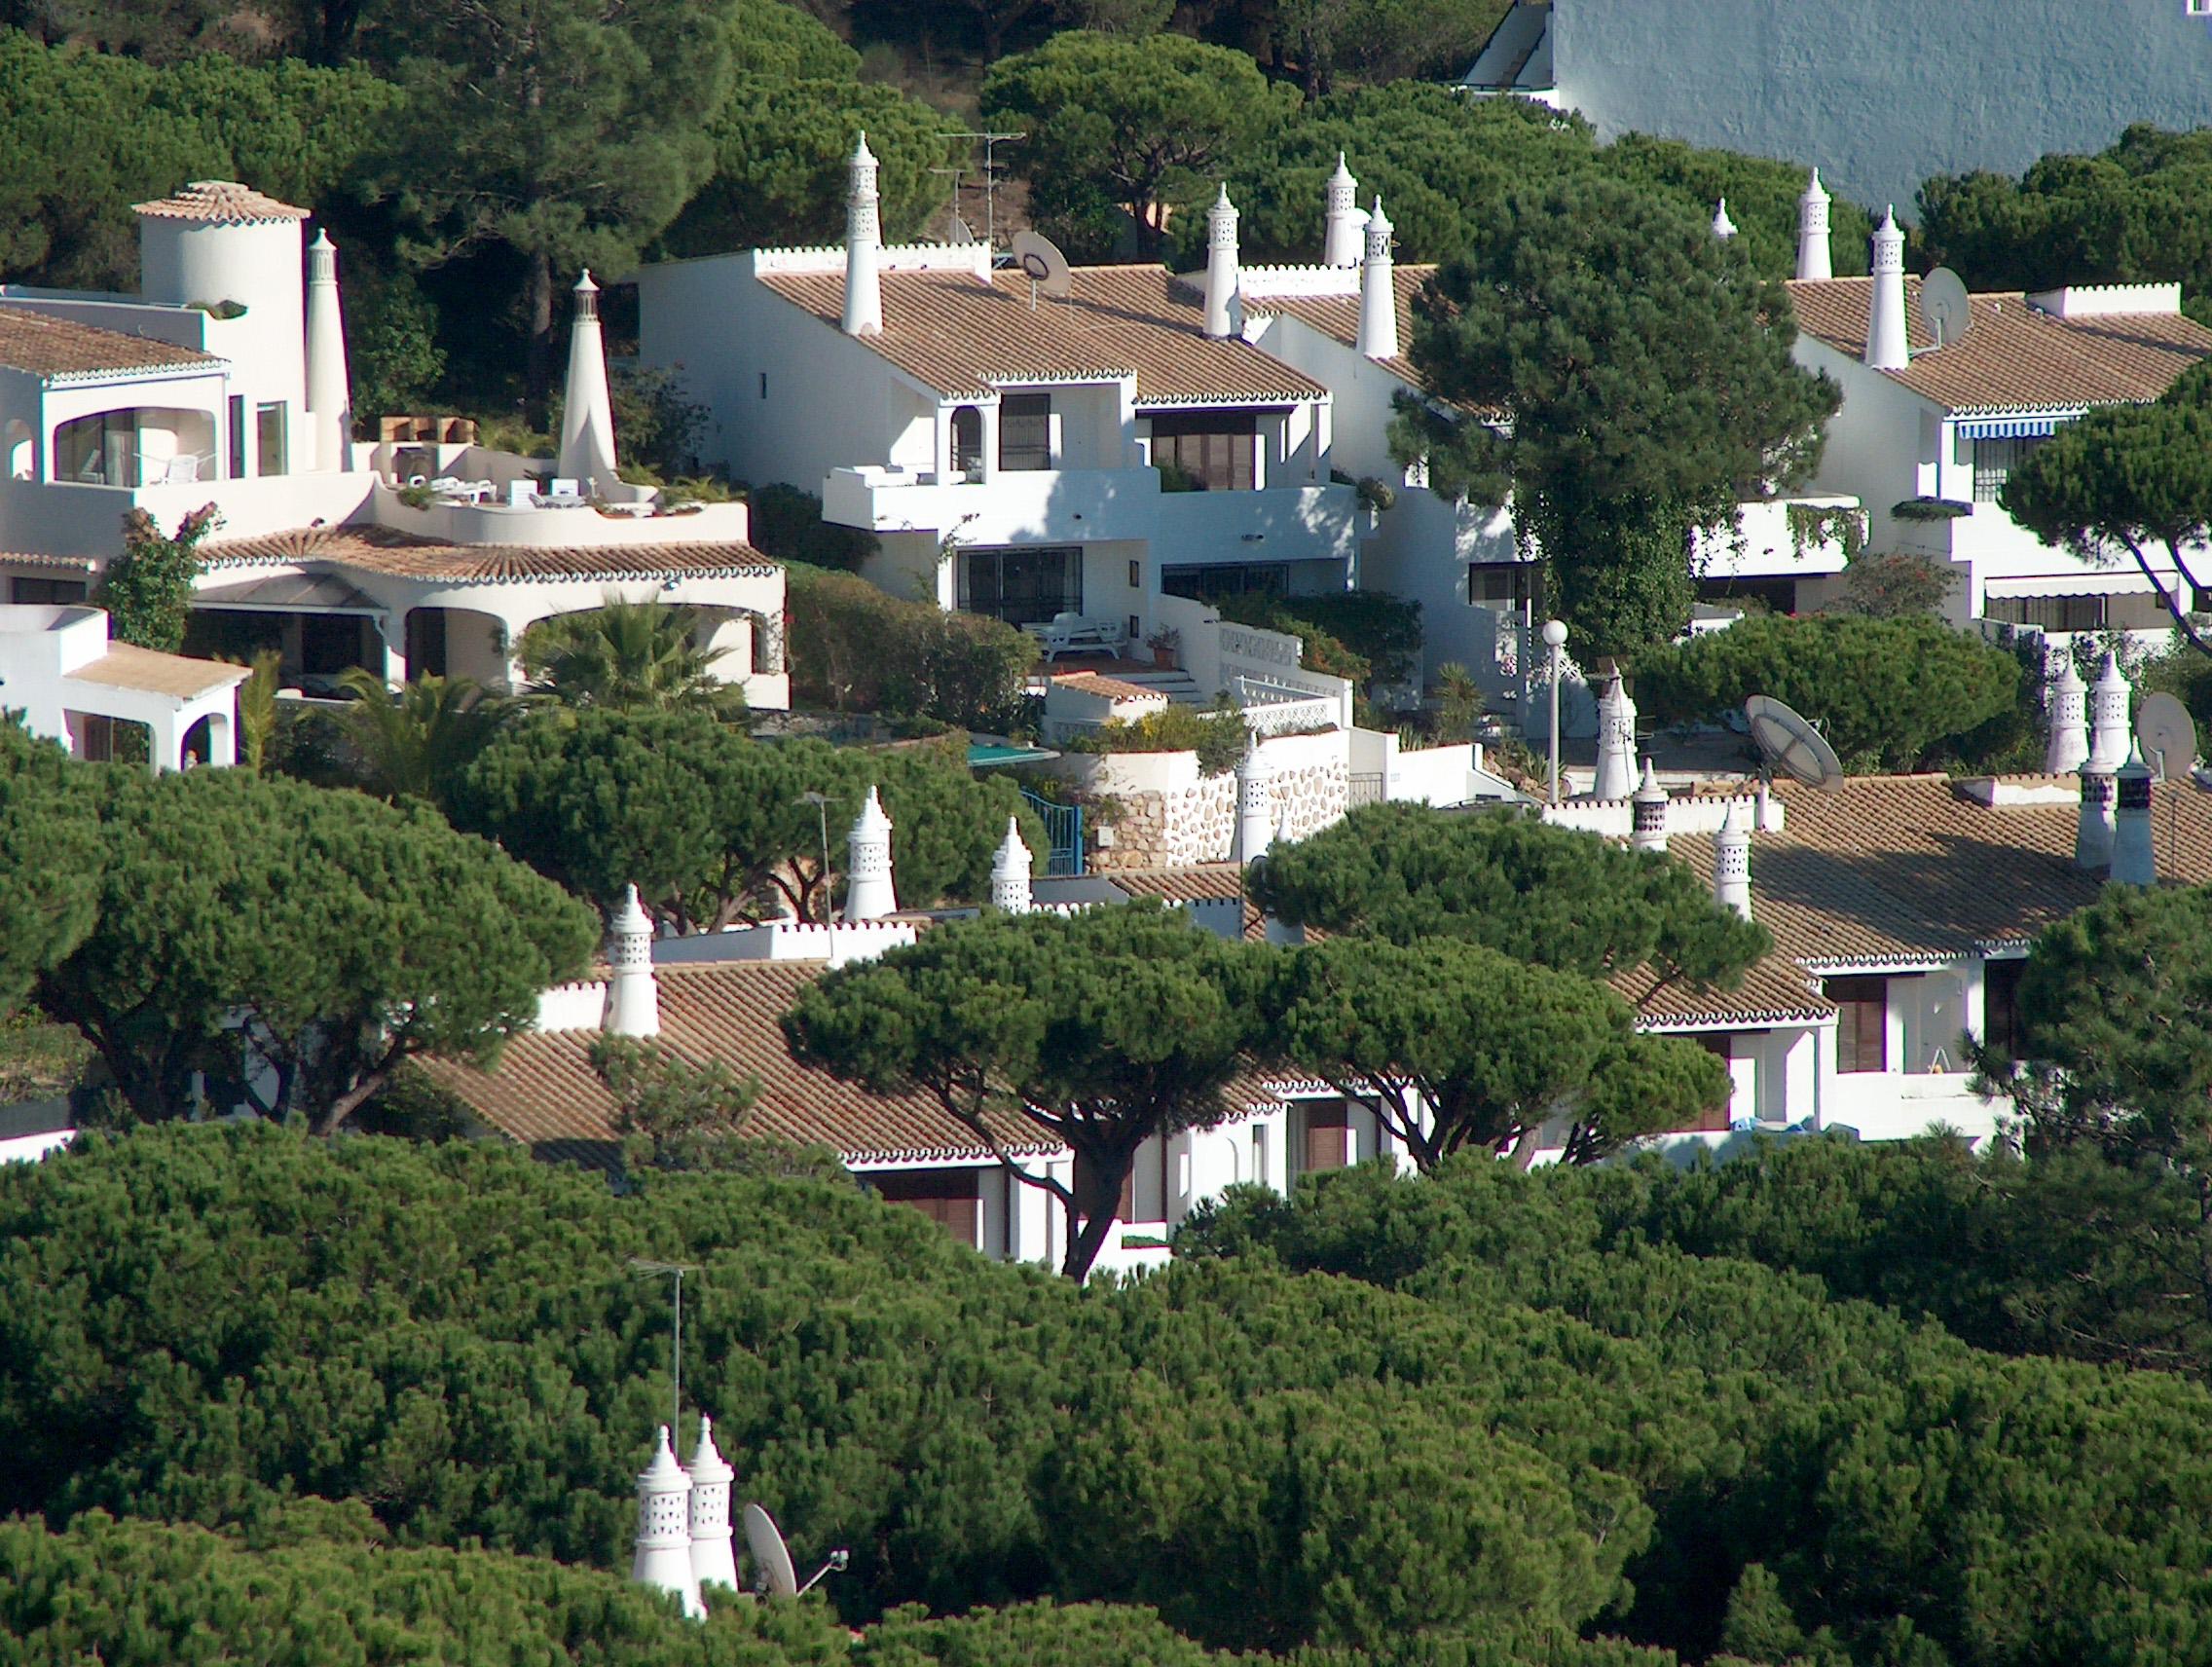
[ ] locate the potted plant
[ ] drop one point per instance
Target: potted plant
(1165, 643)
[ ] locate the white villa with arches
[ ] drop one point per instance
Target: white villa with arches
(224, 381)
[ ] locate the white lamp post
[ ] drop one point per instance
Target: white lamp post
(1555, 639)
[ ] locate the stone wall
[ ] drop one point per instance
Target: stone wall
(1194, 820)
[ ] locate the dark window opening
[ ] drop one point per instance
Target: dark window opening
(1502, 584)
(1862, 1023)
(46, 590)
(950, 1198)
(1025, 431)
(1722, 1047)
(426, 642)
(329, 642)
(1324, 1136)
(1022, 587)
(269, 439)
(237, 427)
(1207, 581)
(2001, 1005)
(1995, 460)
(968, 443)
(2047, 612)
(1216, 451)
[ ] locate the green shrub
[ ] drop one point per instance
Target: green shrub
(788, 524)
(1364, 636)
(856, 649)
(1887, 692)
(1218, 736)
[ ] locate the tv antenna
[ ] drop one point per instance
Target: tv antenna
(1040, 261)
(773, 1574)
(1791, 745)
(641, 1265)
(991, 143)
(1944, 305)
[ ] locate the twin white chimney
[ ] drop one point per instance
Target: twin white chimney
(2134, 861)
(2067, 705)
(663, 1556)
(1813, 258)
(869, 891)
(713, 1562)
(1647, 831)
(863, 244)
(1340, 241)
(329, 396)
(1221, 268)
(2109, 732)
(587, 411)
(1377, 292)
(1887, 347)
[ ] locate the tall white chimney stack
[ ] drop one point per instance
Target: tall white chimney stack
(664, 1529)
(1254, 826)
(1616, 743)
(2134, 861)
(633, 993)
(1011, 867)
(2094, 824)
(2067, 703)
(1732, 865)
(1340, 241)
(1220, 266)
(2110, 734)
(864, 243)
(869, 891)
(713, 1561)
(1647, 832)
(1377, 292)
(1886, 344)
(330, 399)
(1813, 258)
(587, 411)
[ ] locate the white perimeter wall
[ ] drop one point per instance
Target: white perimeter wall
(1884, 92)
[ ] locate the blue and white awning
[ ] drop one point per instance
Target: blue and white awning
(2009, 427)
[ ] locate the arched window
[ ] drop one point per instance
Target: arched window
(17, 442)
(968, 442)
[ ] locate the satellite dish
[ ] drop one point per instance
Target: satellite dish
(2168, 735)
(1944, 305)
(1791, 744)
(771, 1557)
(1041, 258)
(962, 232)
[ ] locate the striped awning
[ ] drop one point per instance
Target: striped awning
(2009, 427)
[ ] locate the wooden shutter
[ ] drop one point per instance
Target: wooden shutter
(1862, 1024)
(1327, 1124)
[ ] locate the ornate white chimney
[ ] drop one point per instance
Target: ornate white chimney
(869, 891)
(1377, 292)
(1616, 743)
(587, 413)
(1339, 243)
(1220, 266)
(1648, 831)
(2067, 702)
(1010, 867)
(713, 1561)
(1723, 228)
(864, 243)
(1732, 865)
(664, 1529)
(633, 993)
(1813, 258)
(2133, 859)
(2109, 733)
(1886, 344)
(1254, 826)
(330, 399)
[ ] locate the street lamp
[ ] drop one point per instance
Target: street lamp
(1555, 639)
(821, 803)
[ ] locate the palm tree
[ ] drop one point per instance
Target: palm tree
(413, 742)
(627, 656)
(257, 707)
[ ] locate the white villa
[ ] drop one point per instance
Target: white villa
(224, 382)
(1929, 428)
(71, 684)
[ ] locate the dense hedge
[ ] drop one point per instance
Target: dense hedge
(1469, 1420)
(856, 649)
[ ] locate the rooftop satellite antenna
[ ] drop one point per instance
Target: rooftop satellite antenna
(1047, 269)
(961, 232)
(1791, 744)
(2168, 735)
(772, 1558)
(638, 1263)
(1944, 305)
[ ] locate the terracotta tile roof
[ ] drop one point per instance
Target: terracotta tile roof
(1338, 315)
(39, 559)
(219, 202)
(1112, 687)
(544, 1088)
(60, 348)
(961, 337)
(178, 676)
(2014, 357)
(1775, 991)
(1203, 882)
(382, 550)
(1904, 868)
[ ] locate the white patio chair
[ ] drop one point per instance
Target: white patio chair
(181, 471)
(520, 494)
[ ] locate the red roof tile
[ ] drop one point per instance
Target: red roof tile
(59, 348)
(382, 550)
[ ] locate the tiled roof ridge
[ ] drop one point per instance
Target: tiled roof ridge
(360, 545)
(219, 202)
(58, 349)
